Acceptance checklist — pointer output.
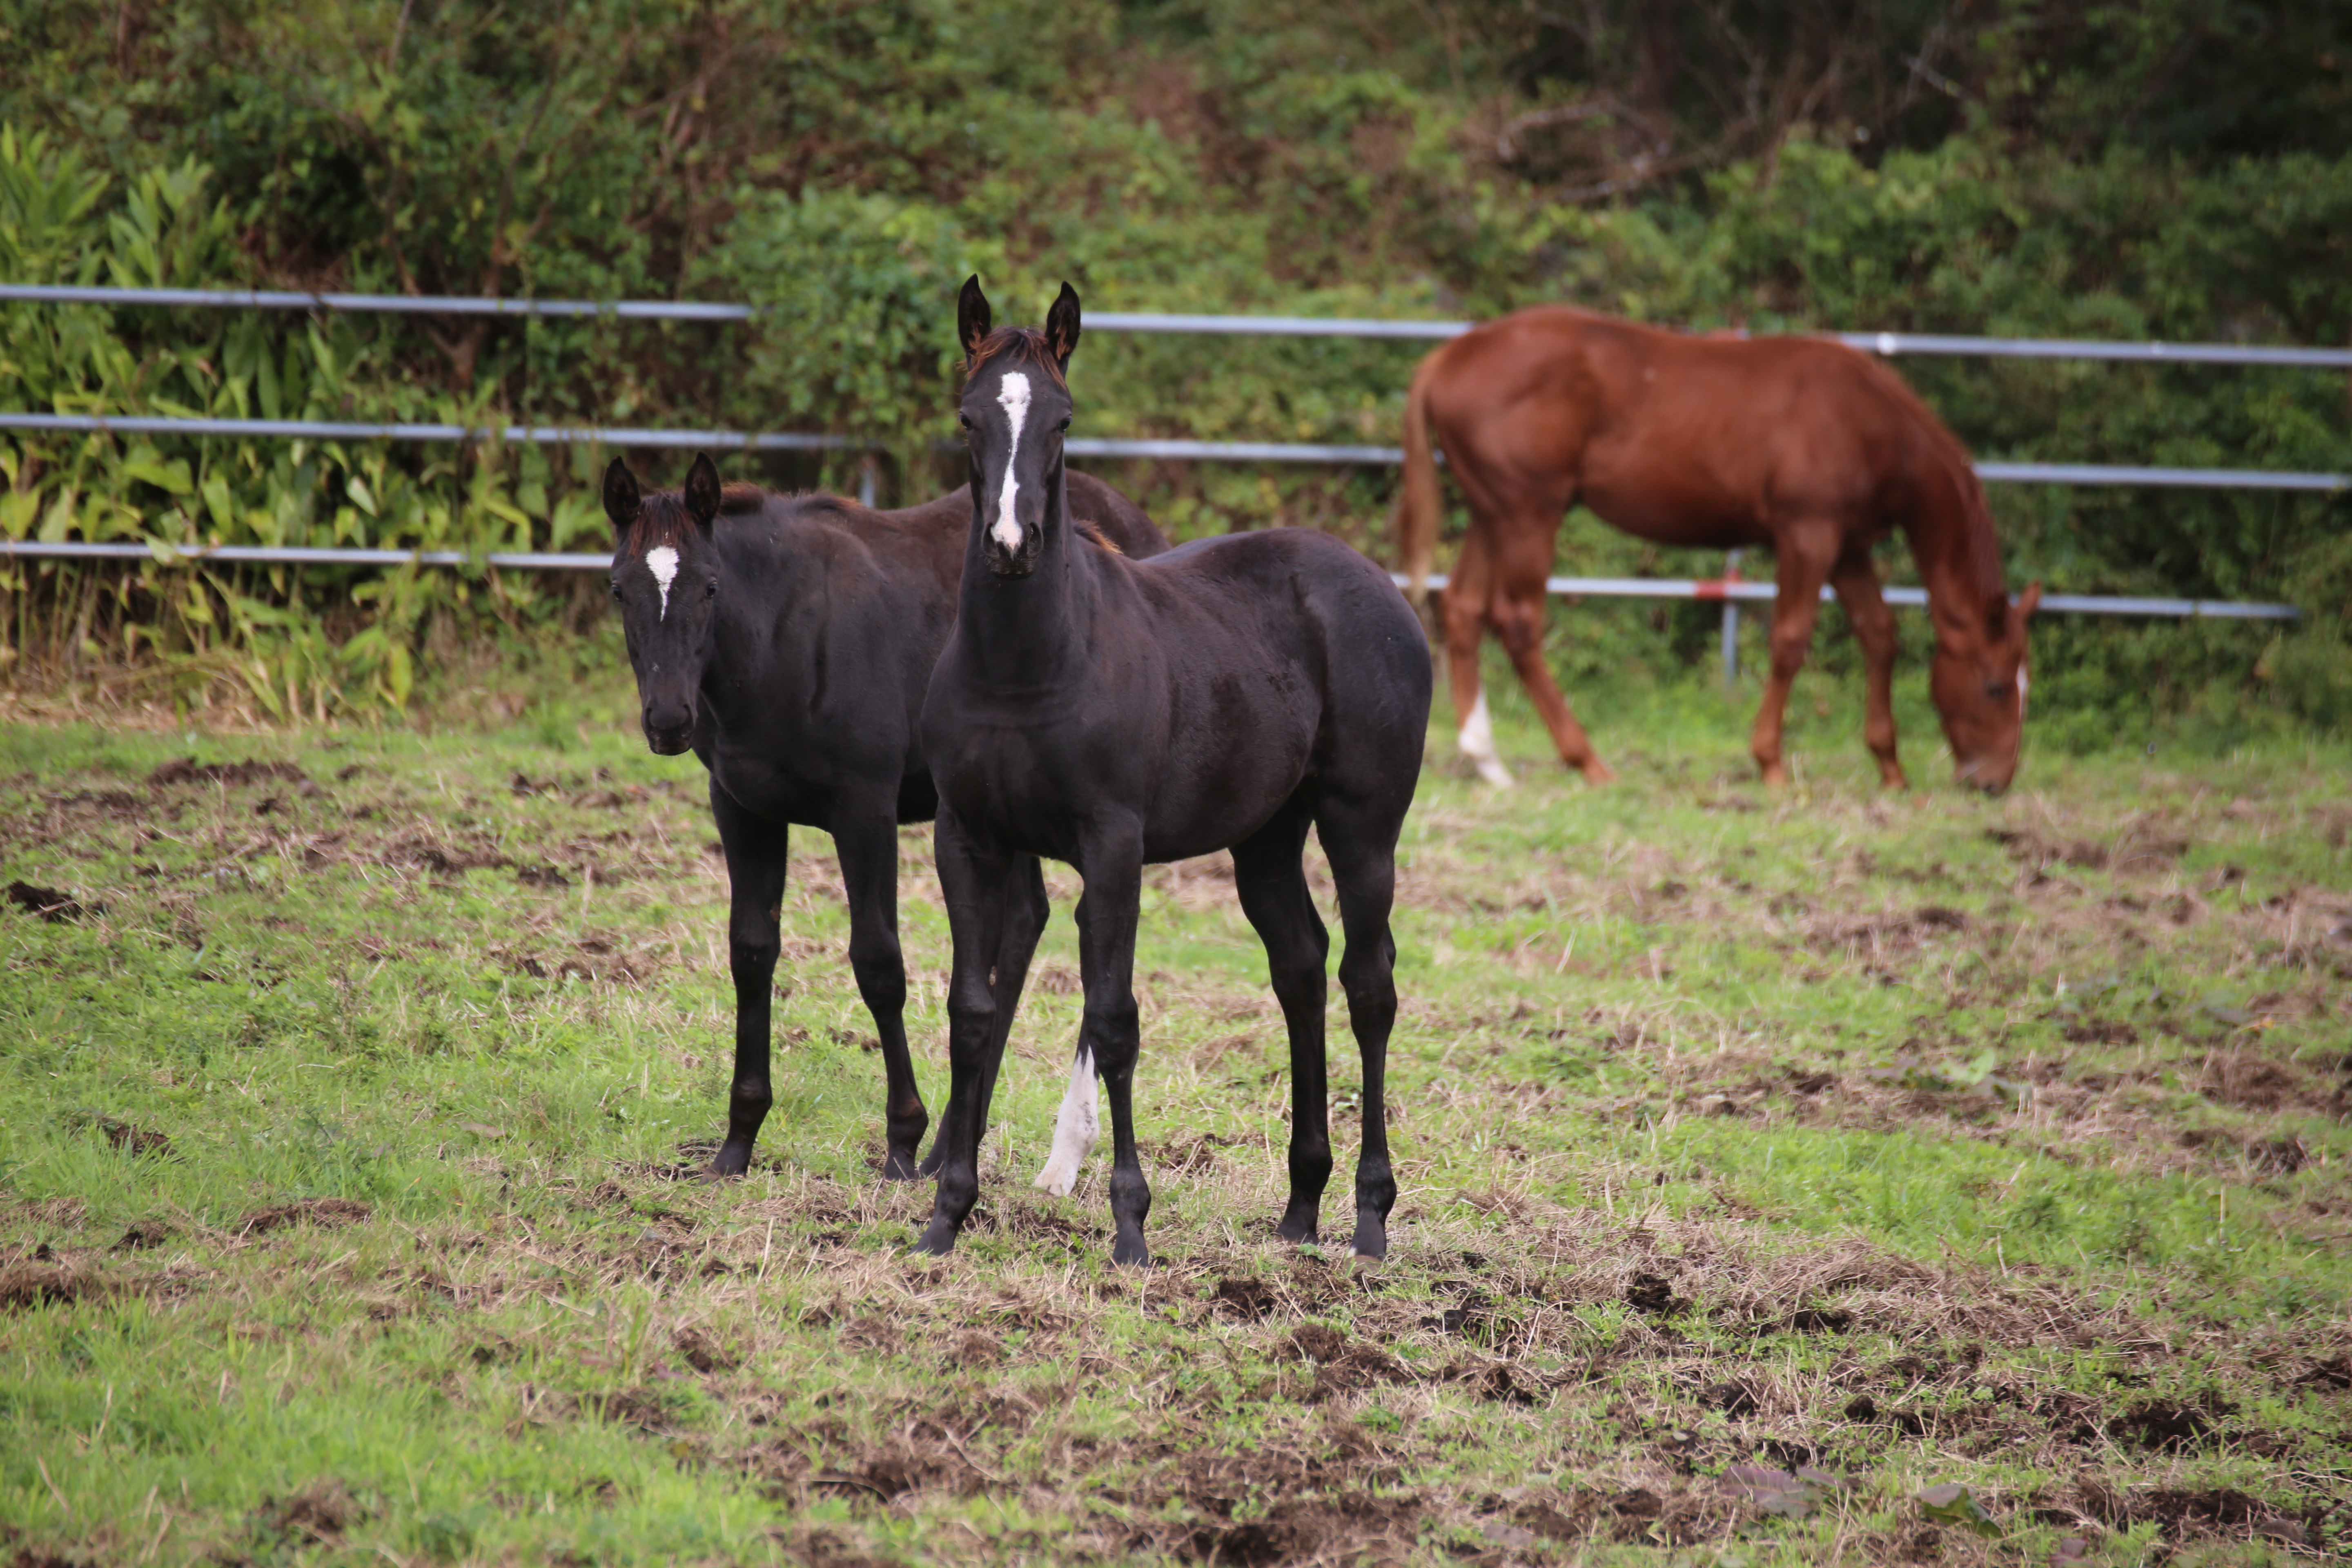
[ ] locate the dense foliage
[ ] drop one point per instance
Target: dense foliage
(2173, 171)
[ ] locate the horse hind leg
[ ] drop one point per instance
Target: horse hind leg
(1361, 842)
(1271, 880)
(1801, 565)
(1465, 623)
(868, 852)
(1077, 1126)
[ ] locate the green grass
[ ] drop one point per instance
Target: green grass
(1992, 1143)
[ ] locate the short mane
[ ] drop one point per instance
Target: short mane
(1976, 546)
(1029, 341)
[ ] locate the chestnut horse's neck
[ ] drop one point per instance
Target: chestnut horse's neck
(1952, 540)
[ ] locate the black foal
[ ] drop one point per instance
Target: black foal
(1111, 713)
(788, 644)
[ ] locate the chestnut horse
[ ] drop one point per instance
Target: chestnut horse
(1799, 444)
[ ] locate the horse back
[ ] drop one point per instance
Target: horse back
(1681, 438)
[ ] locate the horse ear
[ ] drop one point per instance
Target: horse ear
(973, 319)
(621, 498)
(702, 491)
(1062, 325)
(2029, 601)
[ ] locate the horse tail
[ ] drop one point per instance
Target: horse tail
(1419, 504)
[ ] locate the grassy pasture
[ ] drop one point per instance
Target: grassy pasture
(1871, 1143)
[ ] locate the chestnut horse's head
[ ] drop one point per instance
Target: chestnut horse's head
(1979, 685)
(666, 580)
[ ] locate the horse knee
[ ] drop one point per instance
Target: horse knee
(1520, 630)
(753, 945)
(1113, 1032)
(1789, 651)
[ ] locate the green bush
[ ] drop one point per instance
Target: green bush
(844, 165)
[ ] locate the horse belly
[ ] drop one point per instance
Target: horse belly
(1676, 503)
(1223, 787)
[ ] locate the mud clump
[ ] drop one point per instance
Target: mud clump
(142, 1234)
(702, 1352)
(318, 1514)
(315, 1211)
(52, 904)
(1342, 1366)
(29, 1285)
(1246, 1298)
(2160, 1424)
(1336, 1529)
(1735, 1399)
(1818, 1321)
(188, 771)
(133, 1139)
(1655, 1297)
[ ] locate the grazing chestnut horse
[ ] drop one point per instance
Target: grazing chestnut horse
(1799, 444)
(787, 641)
(1111, 713)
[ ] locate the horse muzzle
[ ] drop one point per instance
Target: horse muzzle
(1980, 775)
(1019, 560)
(669, 728)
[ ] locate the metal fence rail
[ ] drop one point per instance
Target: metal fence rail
(1079, 446)
(1722, 590)
(1887, 343)
(1729, 591)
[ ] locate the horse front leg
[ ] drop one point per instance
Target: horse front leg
(1025, 910)
(1856, 581)
(867, 849)
(1465, 622)
(972, 880)
(1800, 565)
(756, 853)
(1110, 1030)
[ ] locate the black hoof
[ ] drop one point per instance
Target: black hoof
(939, 1238)
(1371, 1243)
(728, 1163)
(933, 1160)
(1299, 1226)
(898, 1166)
(1131, 1251)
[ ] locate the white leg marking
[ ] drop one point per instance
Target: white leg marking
(662, 560)
(1075, 1130)
(1013, 396)
(1478, 745)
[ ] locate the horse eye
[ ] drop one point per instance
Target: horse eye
(710, 589)
(965, 420)
(1996, 688)
(616, 592)
(1063, 427)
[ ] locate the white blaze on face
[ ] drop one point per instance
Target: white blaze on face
(1478, 744)
(1013, 396)
(2022, 684)
(1075, 1130)
(662, 561)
